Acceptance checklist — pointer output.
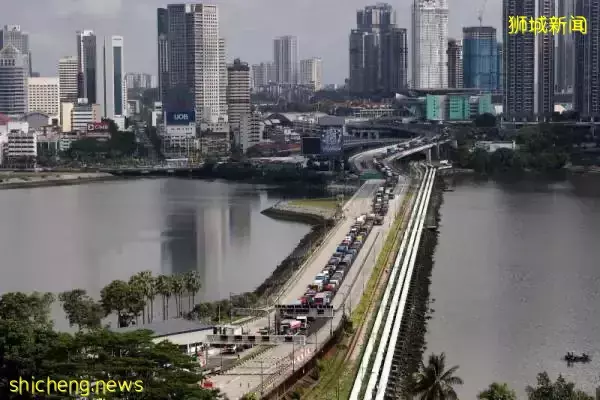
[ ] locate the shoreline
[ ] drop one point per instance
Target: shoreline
(309, 215)
(16, 182)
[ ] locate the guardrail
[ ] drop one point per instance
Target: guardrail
(381, 366)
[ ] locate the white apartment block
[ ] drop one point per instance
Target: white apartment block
(21, 144)
(76, 117)
(67, 77)
(429, 44)
(238, 92)
(43, 95)
(311, 73)
(210, 69)
(251, 131)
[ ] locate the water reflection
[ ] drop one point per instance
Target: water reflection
(60, 238)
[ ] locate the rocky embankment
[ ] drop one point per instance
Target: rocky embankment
(298, 212)
(18, 180)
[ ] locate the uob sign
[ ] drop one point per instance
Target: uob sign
(181, 117)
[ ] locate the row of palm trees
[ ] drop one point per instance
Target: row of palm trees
(136, 298)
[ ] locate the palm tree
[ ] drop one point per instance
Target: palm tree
(146, 282)
(193, 284)
(433, 381)
(178, 285)
(164, 287)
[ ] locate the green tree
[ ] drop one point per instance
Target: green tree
(145, 282)
(119, 297)
(164, 287)
(178, 285)
(193, 283)
(433, 381)
(19, 306)
(81, 309)
(498, 391)
(485, 120)
(559, 390)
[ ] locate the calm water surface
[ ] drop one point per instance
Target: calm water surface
(60, 238)
(516, 283)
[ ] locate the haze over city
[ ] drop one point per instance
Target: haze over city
(322, 27)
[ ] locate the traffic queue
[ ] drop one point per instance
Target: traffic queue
(326, 283)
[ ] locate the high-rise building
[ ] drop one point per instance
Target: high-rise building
(67, 77)
(137, 80)
(262, 74)
(586, 91)
(87, 60)
(115, 90)
(162, 26)
(285, 54)
(429, 43)
(455, 64)
(545, 62)
(480, 58)
(378, 51)
(518, 62)
(238, 92)
(43, 95)
(500, 68)
(12, 34)
(565, 51)
(14, 71)
(195, 60)
(311, 73)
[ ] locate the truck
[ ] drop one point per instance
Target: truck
(290, 326)
(323, 298)
(337, 278)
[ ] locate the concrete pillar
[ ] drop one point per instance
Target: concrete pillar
(428, 154)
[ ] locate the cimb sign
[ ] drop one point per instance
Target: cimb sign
(97, 127)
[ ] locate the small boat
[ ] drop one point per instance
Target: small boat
(573, 358)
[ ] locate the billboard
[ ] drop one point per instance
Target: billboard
(180, 117)
(97, 127)
(311, 146)
(332, 141)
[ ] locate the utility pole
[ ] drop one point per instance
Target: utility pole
(262, 382)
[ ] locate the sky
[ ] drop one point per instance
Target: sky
(248, 26)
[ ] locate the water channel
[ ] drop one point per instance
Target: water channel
(60, 238)
(516, 282)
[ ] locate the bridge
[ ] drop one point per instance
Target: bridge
(382, 367)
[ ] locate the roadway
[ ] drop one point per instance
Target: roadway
(273, 365)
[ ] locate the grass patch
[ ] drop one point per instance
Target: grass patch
(329, 204)
(337, 377)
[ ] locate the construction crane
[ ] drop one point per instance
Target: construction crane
(479, 55)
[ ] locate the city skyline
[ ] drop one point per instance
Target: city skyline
(248, 40)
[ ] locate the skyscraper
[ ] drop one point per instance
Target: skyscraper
(500, 68)
(162, 26)
(518, 62)
(115, 87)
(12, 34)
(238, 92)
(193, 58)
(378, 51)
(14, 71)
(67, 77)
(430, 39)
(311, 73)
(480, 58)
(285, 54)
(455, 64)
(545, 62)
(565, 51)
(587, 60)
(87, 66)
